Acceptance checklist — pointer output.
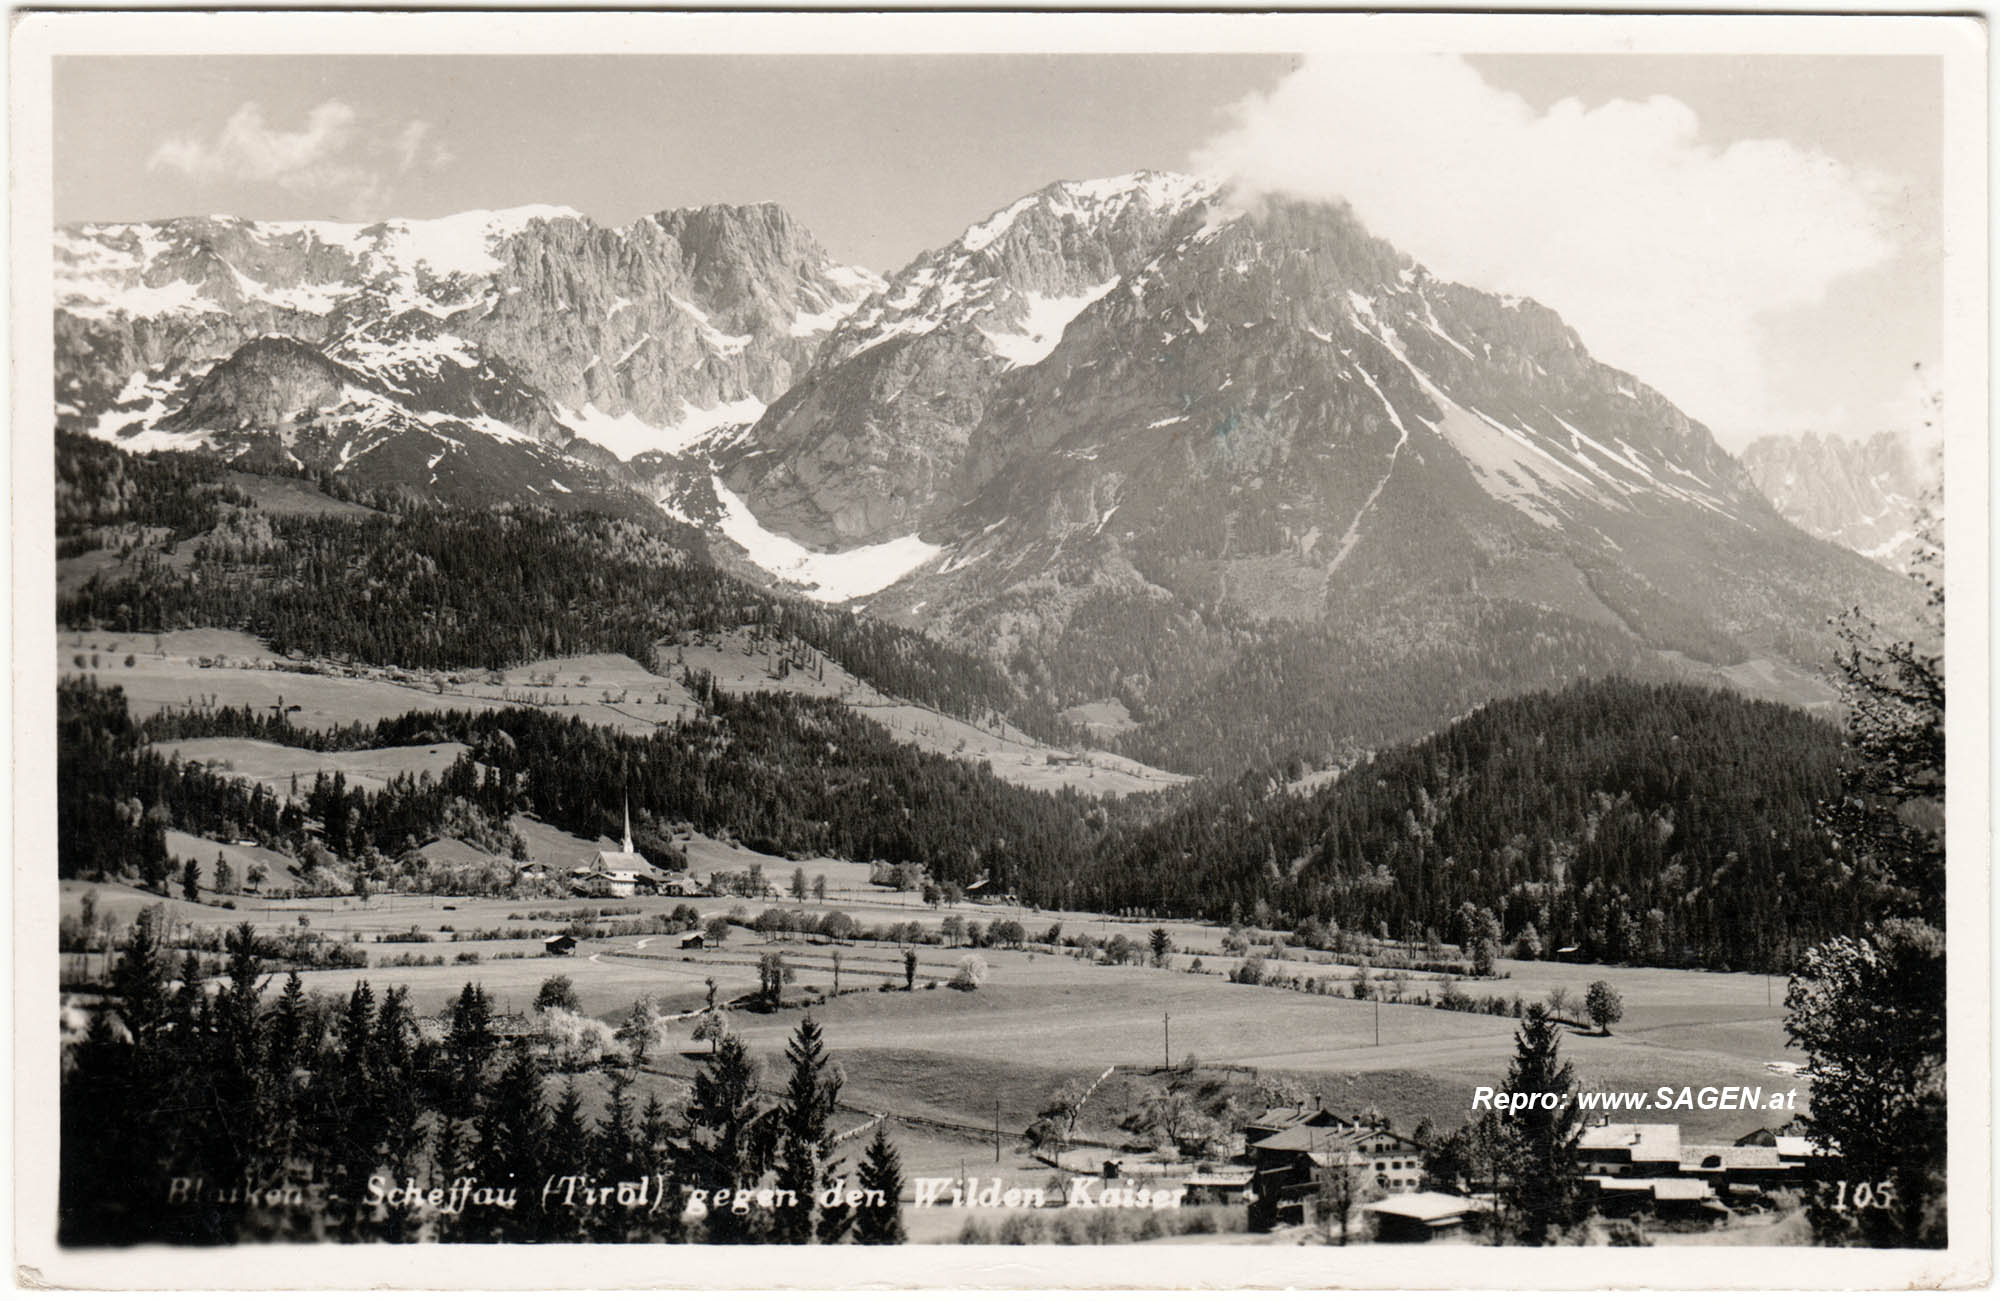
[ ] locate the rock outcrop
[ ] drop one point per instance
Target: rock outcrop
(1864, 494)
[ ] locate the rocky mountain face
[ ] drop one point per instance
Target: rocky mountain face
(869, 440)
(1864, 494)
(1273, 442)
(531, 324)
(1240, 476)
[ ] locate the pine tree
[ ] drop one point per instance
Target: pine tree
(469, 1046)
(1545, 1191)
(567, 1153)
(730, 1136)
(881, 1177)
(139, 984)
(805, 1147)
(657, 1146)
(288, 1024)
(238, 1006)
(187, 1013)
(513, 1150)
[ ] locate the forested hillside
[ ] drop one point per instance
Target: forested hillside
(423, 585)
(1660, 824)
(1324, 696)
(1667, 825)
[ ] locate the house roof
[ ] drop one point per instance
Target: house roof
(1680, 1190)
(1220, 1179)
(1618, 1183)
(1798, 1147)
(1731, 1158)
(1316, 1139)
(1429, 1208)
(1644, 1142)
(1286, 1117)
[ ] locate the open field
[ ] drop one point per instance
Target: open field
(228, 668)
(279, 766)
(742, 662)
(232, 668)
(277, 495)
(947, 1055)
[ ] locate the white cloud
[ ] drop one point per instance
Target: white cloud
(414, 147)
(1663, 251)
(335, 151)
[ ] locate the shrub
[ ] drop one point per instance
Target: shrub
(971, 974)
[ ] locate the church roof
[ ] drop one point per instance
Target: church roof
(613, 860)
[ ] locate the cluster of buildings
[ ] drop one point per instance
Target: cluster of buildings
(624, 872)
(1291, 1148)
(1631, 1168)
(1628, 1169)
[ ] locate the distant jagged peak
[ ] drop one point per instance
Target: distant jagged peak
(1096, 200)
(1026, 270)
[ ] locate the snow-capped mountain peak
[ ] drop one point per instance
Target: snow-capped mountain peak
(686, 316)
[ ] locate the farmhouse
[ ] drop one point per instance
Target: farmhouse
(559, 946)
(986, 890)
(1289, 1165)
(1279, 1119)
(602, 881)
(1628, 1150)
(1421, 1217)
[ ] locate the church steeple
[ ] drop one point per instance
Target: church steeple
(628, 825)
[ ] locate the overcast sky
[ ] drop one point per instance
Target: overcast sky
(1755, 236)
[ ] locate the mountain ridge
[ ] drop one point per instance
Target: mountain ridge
(1130, 439)
(1865, 494)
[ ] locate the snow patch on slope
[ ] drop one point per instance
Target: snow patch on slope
(626, 436)
(461, 244)
(1047, 316)
(825, 575)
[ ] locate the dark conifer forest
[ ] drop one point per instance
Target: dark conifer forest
(1666, 825)
(199, 1118)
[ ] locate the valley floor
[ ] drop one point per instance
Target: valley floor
(944, 1066)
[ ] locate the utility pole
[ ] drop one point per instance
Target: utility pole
(1378, 1022)
(996, 1131)
(1167, 1040)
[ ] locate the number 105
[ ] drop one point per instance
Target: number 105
(1882, 1193)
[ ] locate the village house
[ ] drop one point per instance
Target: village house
(1629, 1150)
(1289, 1166)
(1279, 1119)
(1423, 1217)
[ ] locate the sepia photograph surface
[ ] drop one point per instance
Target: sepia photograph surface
(1001, 635)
